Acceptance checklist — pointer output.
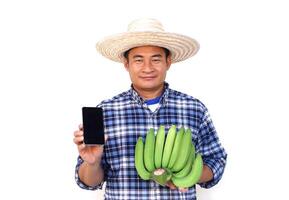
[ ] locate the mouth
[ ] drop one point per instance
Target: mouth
(147, 78)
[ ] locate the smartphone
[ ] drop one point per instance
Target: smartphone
(93, 129)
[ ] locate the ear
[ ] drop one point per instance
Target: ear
(125, 63)
(169, 62)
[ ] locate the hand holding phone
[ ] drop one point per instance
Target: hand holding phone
(93, 128)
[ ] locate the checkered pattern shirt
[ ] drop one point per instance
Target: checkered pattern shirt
(127, 117)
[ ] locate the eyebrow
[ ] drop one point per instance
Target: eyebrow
(137, 56)
(154, 56)
(157, 55)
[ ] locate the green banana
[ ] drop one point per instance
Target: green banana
(193, 177)
(139, 161)
(185, 171)
(149, 150)
(159, 145)
(169, 144)
(177, 146)
(184, 151)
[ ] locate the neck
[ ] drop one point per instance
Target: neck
(149, 93)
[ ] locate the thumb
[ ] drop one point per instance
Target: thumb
(171, 185)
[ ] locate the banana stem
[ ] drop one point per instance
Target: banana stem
(162, 176)
(159, 171)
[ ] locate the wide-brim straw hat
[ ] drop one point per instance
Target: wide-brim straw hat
(147, 32)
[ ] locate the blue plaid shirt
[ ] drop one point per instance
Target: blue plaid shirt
(126, 117)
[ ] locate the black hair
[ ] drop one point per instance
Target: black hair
(167, 53)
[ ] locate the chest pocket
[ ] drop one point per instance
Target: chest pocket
(119, 153)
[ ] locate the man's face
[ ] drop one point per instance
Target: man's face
(147, 67)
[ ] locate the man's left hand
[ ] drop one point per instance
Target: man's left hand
(173, 187)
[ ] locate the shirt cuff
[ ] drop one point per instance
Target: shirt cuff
(217, 168)
(79, 182)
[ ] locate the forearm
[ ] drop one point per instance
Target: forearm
(207, 174)
(91, 175)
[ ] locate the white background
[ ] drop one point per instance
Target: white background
(49, 69)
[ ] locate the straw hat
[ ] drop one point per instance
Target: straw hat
(143, 32)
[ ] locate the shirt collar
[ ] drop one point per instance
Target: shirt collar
(139, 100)
(153, 101)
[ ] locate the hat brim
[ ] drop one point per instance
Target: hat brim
(180, 46)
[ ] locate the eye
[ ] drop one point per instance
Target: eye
(138, 60)
(156, 60)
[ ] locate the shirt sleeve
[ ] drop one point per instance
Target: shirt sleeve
(213, 154)
(83, 185)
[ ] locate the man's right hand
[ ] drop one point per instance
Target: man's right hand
(90, 154)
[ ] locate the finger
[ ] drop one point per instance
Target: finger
(78, 140)
(78, 133)
(80, 126)
(81, 147)
(183, 189)
(171, 185)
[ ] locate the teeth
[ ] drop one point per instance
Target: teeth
(168, 156)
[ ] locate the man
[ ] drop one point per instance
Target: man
(147, 52)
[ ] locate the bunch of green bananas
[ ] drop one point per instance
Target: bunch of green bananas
(168, 157)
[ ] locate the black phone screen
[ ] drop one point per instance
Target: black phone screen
(93, 129)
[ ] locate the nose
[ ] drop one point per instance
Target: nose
(147, 67)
